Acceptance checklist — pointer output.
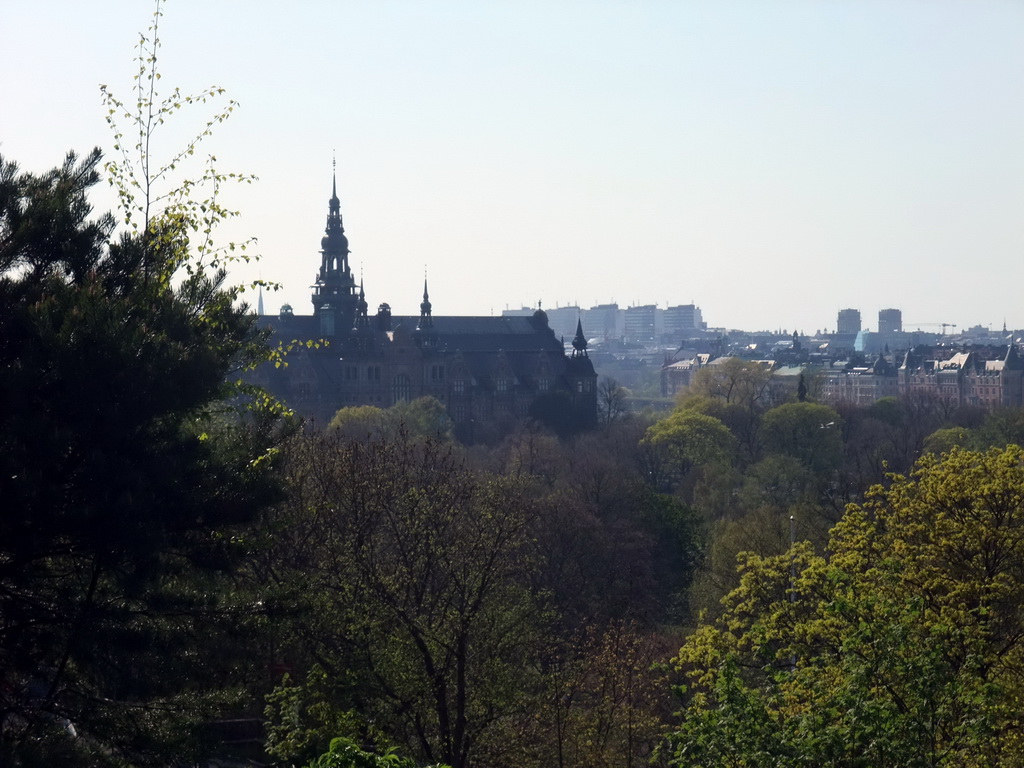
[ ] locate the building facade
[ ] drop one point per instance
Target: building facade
(981, 377)
(487, 371)
(989, 378)
(641, 324)
(681, 320)
(967, 378)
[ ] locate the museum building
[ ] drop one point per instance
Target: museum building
(489, 372)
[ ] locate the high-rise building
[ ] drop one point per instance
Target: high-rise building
(890, 321)
(603, 321)
(848, 321)
(641, 323)
(682, 319)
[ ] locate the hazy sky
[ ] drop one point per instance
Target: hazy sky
(771, 162)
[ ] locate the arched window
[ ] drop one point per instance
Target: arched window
(401, 389)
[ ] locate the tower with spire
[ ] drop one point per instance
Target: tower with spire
(334, 292)
(425, 336)
(581, 376)
(426, 321)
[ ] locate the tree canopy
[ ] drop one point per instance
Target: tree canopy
(420, 574)
(901, 647)
(123, 466)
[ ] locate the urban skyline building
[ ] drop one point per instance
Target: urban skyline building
(640, 324)
(890, 321)
(848, 321)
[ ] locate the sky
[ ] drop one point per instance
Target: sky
(772, 161)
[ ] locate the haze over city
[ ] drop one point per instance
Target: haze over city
(770, 162)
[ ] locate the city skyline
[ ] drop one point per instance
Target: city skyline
(771, 163)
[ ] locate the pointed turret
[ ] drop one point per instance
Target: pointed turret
(581, 378)
(362, 322)
(425, 336)
(882, 366)
(579, 342)
(426, 321)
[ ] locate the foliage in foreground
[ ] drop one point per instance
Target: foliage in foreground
(416, 587)
(345, 753)
(129, 468)
(902, 647)
(125, 474)
(467, 618)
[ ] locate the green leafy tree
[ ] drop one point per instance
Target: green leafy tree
(902, 647)
(417, 575)
(132, 462)
(360, 422)
(345, 753)
(124, 468)
(735, 381)
(423, 417)
(690, 439)
(152, 186)
(809, 432)
(1001, 427)
(734, 391)
(945, 439)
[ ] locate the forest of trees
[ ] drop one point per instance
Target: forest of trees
(188, 574)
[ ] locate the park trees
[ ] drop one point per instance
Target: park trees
(131, 462)
(735, 381)
(690, 439)
(902, 648)
(611, 401)
(808, 432)
(422, 417)
(602, 702)
(123, 467)
(416, 575)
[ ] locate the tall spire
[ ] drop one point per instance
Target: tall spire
(334, 215)
(362, 321)
(426, 321)
(335, 286)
